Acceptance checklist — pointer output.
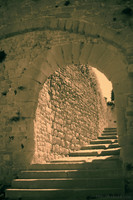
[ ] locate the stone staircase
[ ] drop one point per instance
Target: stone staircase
(94, 172)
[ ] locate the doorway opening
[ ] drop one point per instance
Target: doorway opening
(108, 93)
(71, 111)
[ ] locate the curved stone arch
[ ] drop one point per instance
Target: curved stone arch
(102, 56)
(89, 50)
(115, 61)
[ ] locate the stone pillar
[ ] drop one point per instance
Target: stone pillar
(124, 105)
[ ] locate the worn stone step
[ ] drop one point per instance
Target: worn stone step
(86, 159)
(91, 162)
(107, 137)
(84, 153)
(65, 183)
(96, 152)
(110, 129)
(104, 141)
(100, 146)
(106, 173)
(108, 133)
(94, 146)
(70, 160)
(65, 194)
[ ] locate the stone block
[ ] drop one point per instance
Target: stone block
(6, 157)
(130, 69)
(48, 110)
(129, 111)
(75, 26)
(49, 129)
(58, 55)
(130, 100)
(91, 29)
(85, 54)
(121, 74)
(53, 23)
(81, 27)
(124, 86)
(120, 100)
(52, 62)
(97, 51)
(2, 143)
(126, 153)
(76, 50)
(69, 25)
(46, 68)
(62, 24)
(67, 53)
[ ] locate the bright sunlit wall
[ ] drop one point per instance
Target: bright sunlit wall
(105, 84)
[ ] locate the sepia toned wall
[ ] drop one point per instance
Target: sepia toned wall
(71, 111)
(41, 37)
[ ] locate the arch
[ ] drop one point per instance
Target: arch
(88, 51)
(66, 48)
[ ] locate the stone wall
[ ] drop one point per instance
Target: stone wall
(111, 115)
(70, 112)
(98, 33)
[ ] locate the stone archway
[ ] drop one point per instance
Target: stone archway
(32, 57)
(43, 61)
(78, 50)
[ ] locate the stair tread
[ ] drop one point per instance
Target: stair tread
(87, 159)
(109, 133)
(96, 150)
(58, 171)
(100, 171)
(100, 145)
(62, 193)
(64, 179)
(108, 137)
(67, 189)
(103, 141)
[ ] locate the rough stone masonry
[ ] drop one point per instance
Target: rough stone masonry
(36, 38)
(71, 111)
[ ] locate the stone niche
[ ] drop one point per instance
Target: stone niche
(70, 112)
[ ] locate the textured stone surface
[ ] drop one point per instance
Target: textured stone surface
(70, 112)
(93, 25)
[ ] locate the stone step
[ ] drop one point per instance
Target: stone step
(104, 141)
(100, 146)
(105, 162)
(66, 183)
(98, 152)
(74, 159)
(63, 194)
(94, 172)
(87, 159)
(106, 173)
(83, 153)
(110, 129)
(109, 133)
(108, 137)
